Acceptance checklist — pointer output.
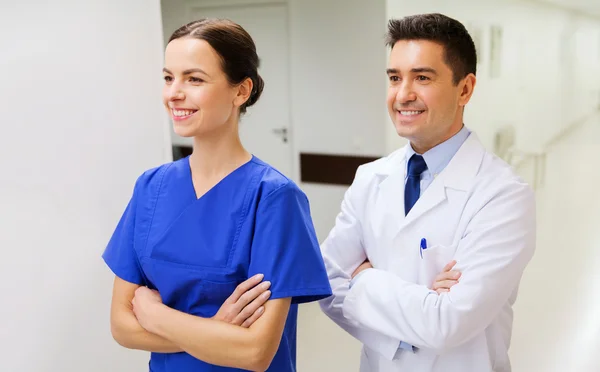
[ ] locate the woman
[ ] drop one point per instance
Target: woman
(197, 227)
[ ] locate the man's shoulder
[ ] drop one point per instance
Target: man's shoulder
(485, 171)
(496, 175)
(381, 166)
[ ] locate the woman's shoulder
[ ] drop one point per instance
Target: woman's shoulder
(274, 183)
(152, 179)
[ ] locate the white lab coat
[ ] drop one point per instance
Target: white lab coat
(478, 212)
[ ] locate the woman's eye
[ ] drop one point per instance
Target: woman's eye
(168, 79)
(196, 80)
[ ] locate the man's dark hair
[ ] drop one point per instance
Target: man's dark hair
(460, 53)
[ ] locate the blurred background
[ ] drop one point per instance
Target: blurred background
(81, 118)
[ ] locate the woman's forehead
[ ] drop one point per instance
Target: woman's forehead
(185, 53)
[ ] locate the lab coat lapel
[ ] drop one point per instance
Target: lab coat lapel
(390, 201)
(433, 196)
(457, 175)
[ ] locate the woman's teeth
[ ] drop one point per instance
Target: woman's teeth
(182, 113)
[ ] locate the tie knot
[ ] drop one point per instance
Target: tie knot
(416, 166)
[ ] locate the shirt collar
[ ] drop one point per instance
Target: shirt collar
(438, 157)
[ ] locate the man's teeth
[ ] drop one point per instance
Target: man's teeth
(408, 113)
(182, 112)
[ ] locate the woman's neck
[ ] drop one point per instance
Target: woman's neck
(218, 154)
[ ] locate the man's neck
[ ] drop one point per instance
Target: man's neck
(421, 148)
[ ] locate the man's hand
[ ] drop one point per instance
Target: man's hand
(363, 266)
(446, 279)
(245, 305)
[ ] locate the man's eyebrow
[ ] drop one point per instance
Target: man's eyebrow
(424, 69)
(391, 71)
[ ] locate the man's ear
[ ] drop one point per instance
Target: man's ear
(467, 88)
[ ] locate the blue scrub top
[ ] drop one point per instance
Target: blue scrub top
(196, 251)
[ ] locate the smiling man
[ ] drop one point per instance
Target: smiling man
(440, 201)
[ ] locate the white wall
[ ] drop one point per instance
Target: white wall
(338, 71)
(556, 326)
(550, 66)
(81, 118)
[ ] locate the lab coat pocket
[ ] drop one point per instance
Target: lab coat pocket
(432, 263)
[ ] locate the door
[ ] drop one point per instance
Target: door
(265, 128)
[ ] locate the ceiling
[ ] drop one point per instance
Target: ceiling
(591, 7)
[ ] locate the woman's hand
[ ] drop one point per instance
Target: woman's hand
(146, 303)
(446, 279)
(245, 305)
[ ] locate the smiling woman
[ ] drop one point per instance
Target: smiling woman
(210, 68)
(201, 233)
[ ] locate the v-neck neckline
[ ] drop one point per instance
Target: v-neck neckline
(190, 180)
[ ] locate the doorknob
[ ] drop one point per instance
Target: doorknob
(282, 132)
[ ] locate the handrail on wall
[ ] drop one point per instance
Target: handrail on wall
(565, 132)
(518, 158)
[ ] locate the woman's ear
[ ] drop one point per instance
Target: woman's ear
(244, 90)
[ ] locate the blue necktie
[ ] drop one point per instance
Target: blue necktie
(412, 190)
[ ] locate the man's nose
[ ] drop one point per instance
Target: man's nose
(405, 93)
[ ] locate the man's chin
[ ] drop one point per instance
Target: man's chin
(406, 130)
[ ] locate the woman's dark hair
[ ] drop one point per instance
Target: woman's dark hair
(460, 53)
(235, 47)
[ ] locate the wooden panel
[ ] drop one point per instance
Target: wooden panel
(181, 152)
(330, 169)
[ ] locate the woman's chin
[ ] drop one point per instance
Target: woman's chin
(184, 131)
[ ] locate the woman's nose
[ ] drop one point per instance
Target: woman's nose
(175, 92)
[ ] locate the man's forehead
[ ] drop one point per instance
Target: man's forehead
(416, 53)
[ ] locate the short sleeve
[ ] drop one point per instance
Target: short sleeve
(285, 247)
(120, 255)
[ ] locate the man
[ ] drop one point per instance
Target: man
(441, 198)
